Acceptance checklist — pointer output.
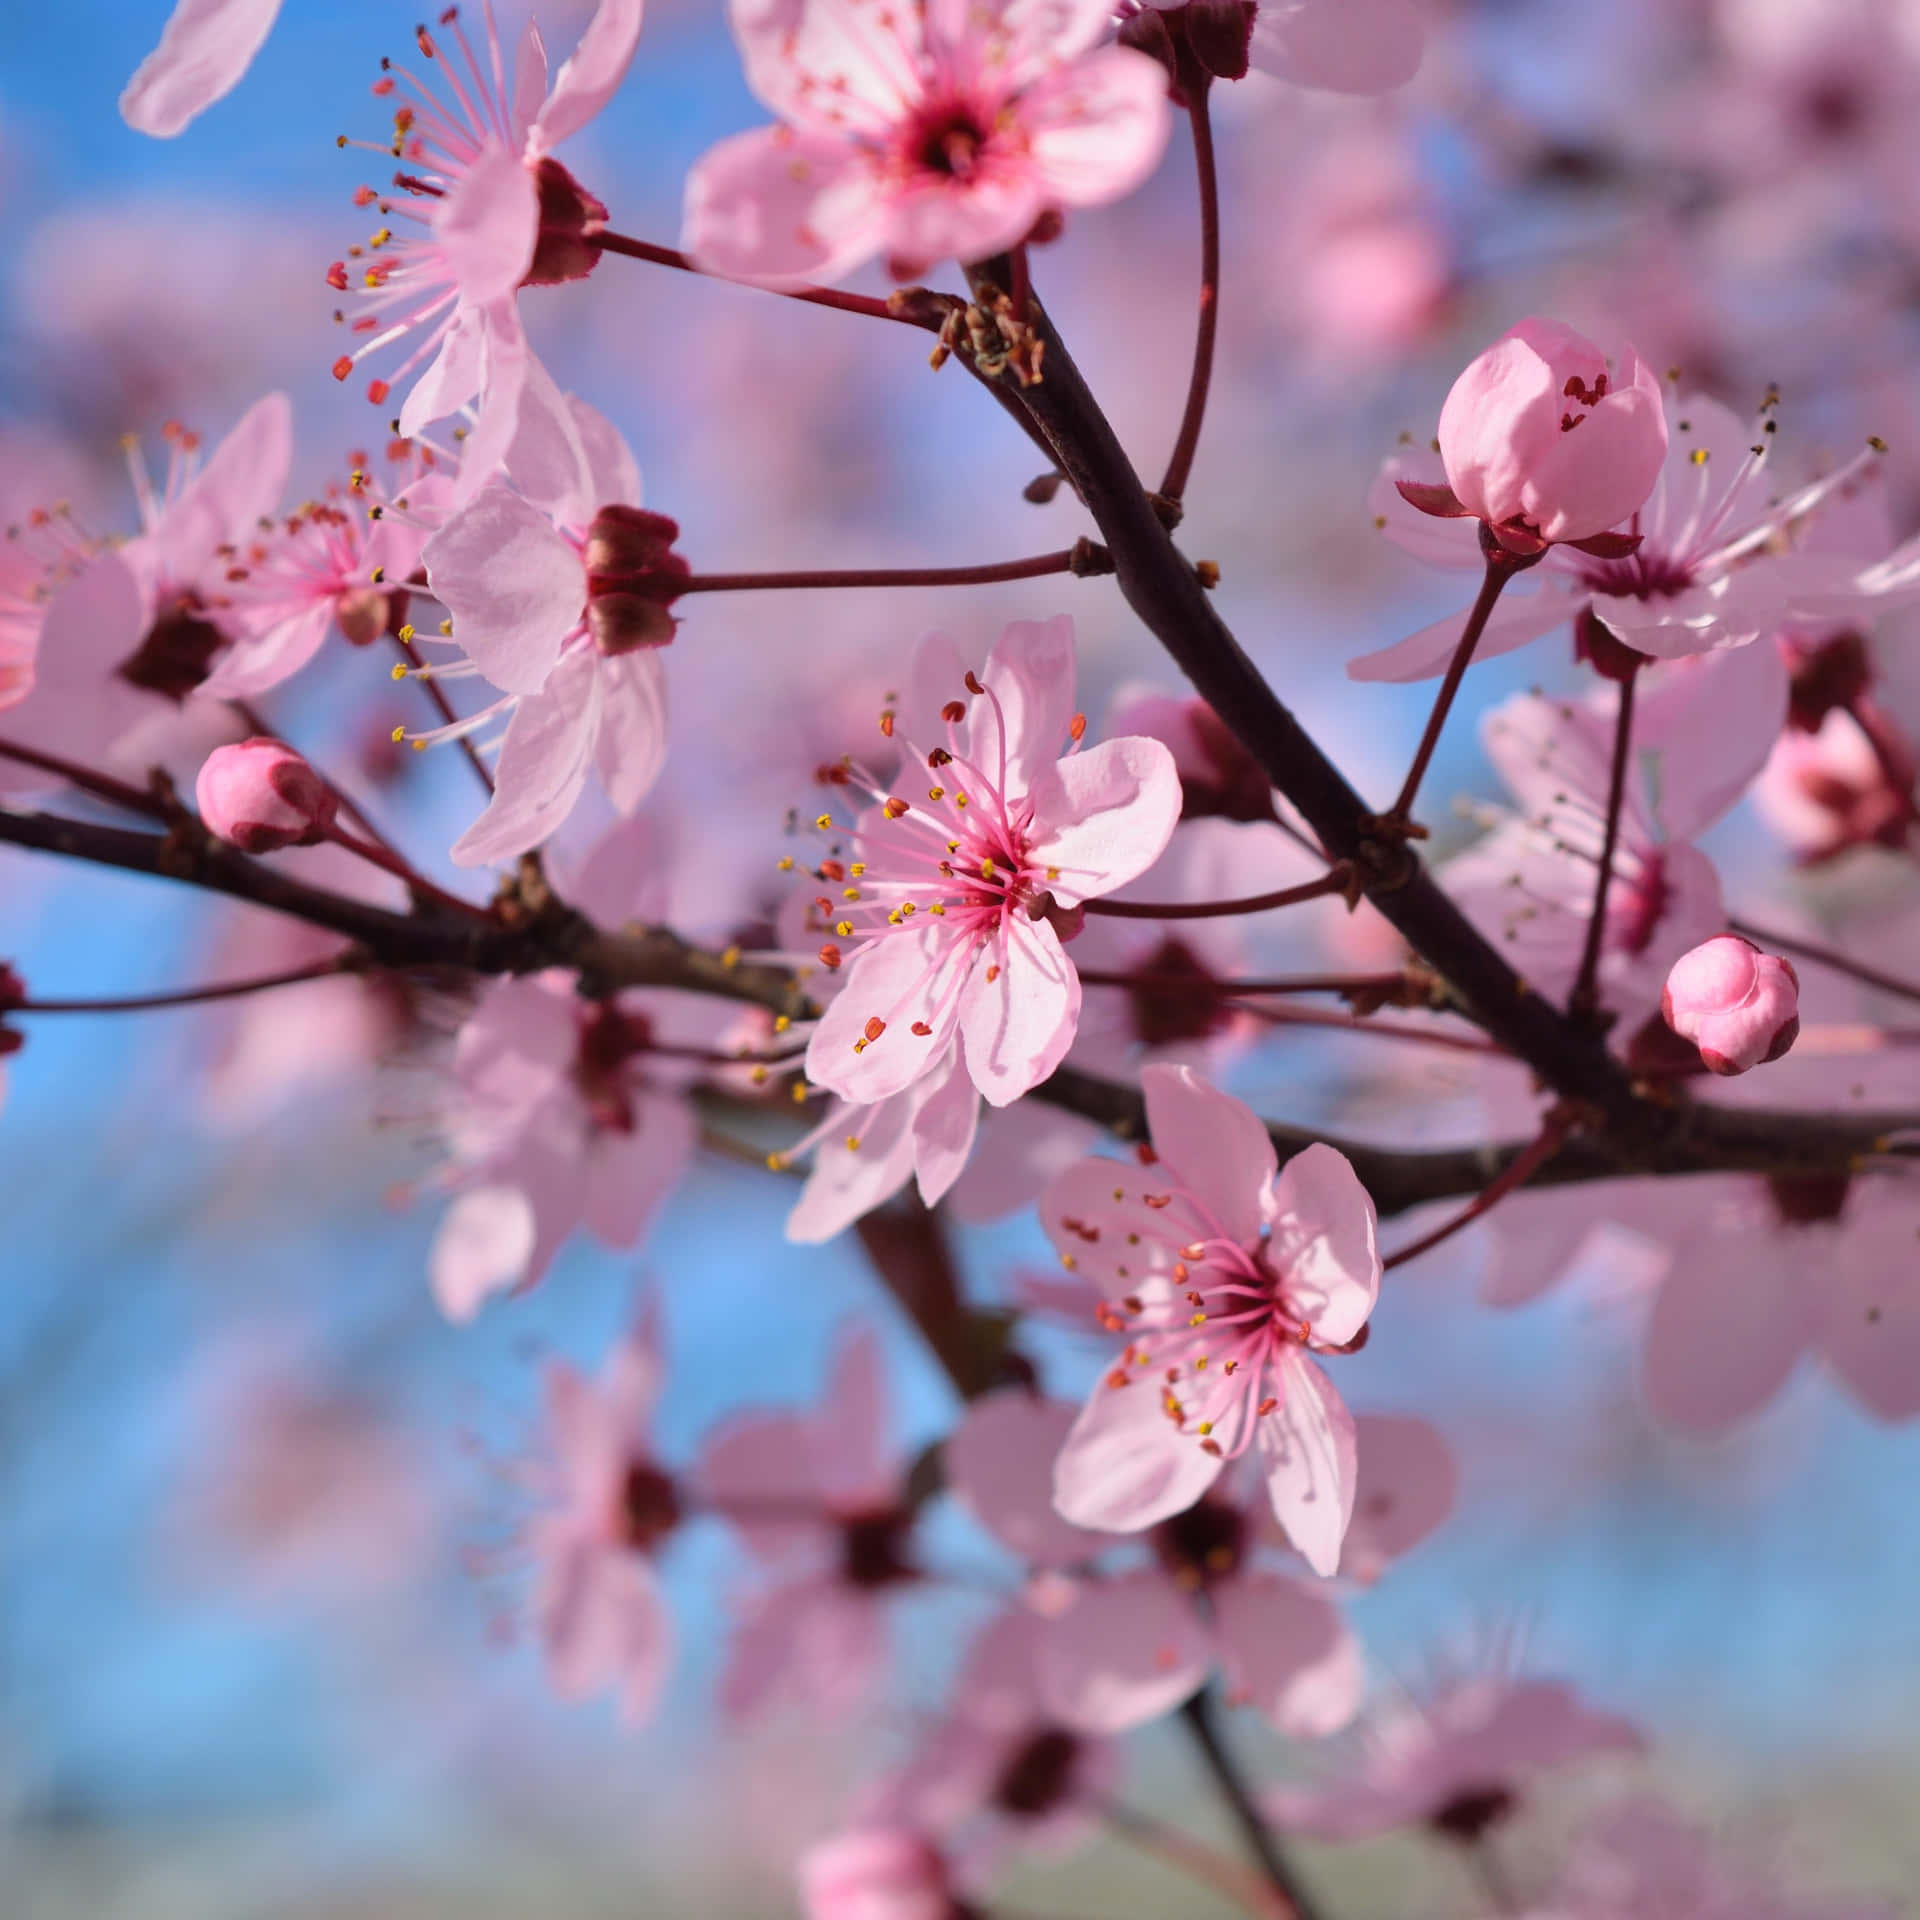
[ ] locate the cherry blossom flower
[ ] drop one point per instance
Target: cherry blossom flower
(1456, 1763)
(205, 49)
(1739, 1006)
(501, 213)
(1712, 568)
(820, 1498)
(1120, 1648)
(558, 585)
(602, 1618)
(921, 133)
(562, 1115)
(263, 796)
(876, 1873)
(1827, 792)
(1530, 883)
(1000, 1771)
(1225, 1279)
(959, 888)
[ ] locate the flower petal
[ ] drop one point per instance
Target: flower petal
(848, 1181)
(1346, 46)
(1725, 1332)
(1097, 129)
(1515, 621)
(486, 225)
(592, 72)
(205, 48)
(1103, 817)
(482, 1248)
(1126, 1465)
(1287, 1651)
(631, 747)
(1018, 1013)
(1325, 1242)
(1215, 1147)
(1127, 1651)
(999, 1467)
(1307, 1447)
(904, 979)
(543, 765)
(778, 208)
(946, 1117)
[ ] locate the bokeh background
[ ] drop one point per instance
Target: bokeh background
(262, 1635)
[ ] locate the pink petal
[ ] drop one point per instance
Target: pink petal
(1096, 1213)
(515, 587)
(1097, 130)
(847, 1182)
(487, 224)
(1127, 1651)
(1307, 1447)
(837, 66)
(1215, 1147)
(1516, 620)
(529, 82)
(1725, 1332)
(1347, 46)
(946, 1116)
(605, 1625)
(593, 71)
(932, 219)
(778, 207)
(92, 624)
(1105, 816)
(255, 664)
(1021, 38)
(1018, 1026)
(1017, 1151)
(481, 1249)
(631, 748)
(453, 376)
(1031, 674)
(205, 48)
(542, 767)
(998, 1463)
(239, 486)
(546, 455)
(1126, 1465)
(902, 979)
(847, 1443)
(588, 1445)
(757, 1471)
(811, 1643)
(1870, 1318)
(1287, 1651)
(1712, 722)
(630, 1175)
(1324, 1240)
(613, 475)
(1405, 1486)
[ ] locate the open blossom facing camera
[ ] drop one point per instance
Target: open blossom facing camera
(1226, 1280)
(483, 206)
(965, 872)
(924, 133)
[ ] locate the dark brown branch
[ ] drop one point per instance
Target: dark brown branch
(861, 303)
(1336, 880)
(1187, 443)
(1161, 587)
(1198, 1714)
(1084, 559)
(1585, 998)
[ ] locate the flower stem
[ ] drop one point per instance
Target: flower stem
(348, 962)
(1385, 984)
(685, 263)
(1337, 879)
(1826, 957)
(1559, 1123)
(1180, 464)
(1162, 1842)
(101, 786)
(378, 854)
(1585, 997)
(1085, 558)
(1501, 567)
(1198, 1716)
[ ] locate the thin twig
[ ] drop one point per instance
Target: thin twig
(685, 263)
(1198, 1717)
(1085, 558)
(102, 786)
(1336, 879)
(1584, 997)
(1826, 957)
(1187, 444)
(349, 962)
(1559, 1123)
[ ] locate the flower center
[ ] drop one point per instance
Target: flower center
(174, 657)
(873, 1548)
(1203, 1546)
(1470, 1812)
(1039, 1775)
(947, 140)
(1808, 1199)
(649, 1506)
(609, 1039)
(1174, 997)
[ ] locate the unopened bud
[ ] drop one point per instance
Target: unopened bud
(1739, 1006)
(261, 796)
(633, 577)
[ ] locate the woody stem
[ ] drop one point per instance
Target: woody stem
(1337, 879)
(1084, 558)
(1187, 443)
(1559, 1123)
(1584, 998)
(685, 263)
(349, 962)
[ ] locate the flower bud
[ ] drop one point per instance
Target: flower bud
(261, 796)
(633, 577)
(1538, 437)
(879, 1873)
(1739, 1006)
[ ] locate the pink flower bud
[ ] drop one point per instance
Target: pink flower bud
(1537, 435)
(262, 796)
(879, 1873)
(1739, 1006)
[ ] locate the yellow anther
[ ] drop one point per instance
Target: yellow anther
(850, 893)
(939, 908)
(1205, 1427)
(1053, 873)
(986, 867)
(908, 909)
(936, 793)
(1698, 456)
(799, 1093)
(824, 822)
(782, 1021)
(786, 863)
(853, 1143)
(419, 746)
(776, 1163)
(406, 632)
(399, 671)
(843, 928)
(1198, 1320)
(398, 734)
(858, 868)
(446, 627)
(758, 1076)
(731, 957)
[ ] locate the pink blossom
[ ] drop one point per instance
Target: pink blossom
(821, 1499)
(1784, 1270)
(1124, 1647)
(1509, 439)
(562, 1115)
(263, 796)
(1530, 883)
(1714, 567)
(960, 886)
(1456, 1763)
(924, 134)
(1739, 1006)
(558, 585)
(501, 212)
(1827, 792)
(205, 49)
(875, 1873)
(1227, 1279)
(602, 1619)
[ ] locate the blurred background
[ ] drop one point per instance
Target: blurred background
(263, 1637)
